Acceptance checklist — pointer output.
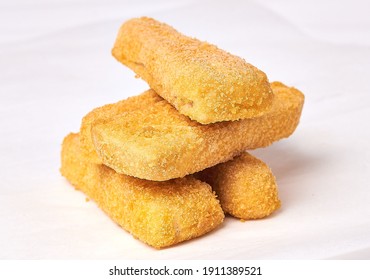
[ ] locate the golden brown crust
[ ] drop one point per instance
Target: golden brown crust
(203, 82)
(106, 112)
(245, 187)
(160, 214)
(155, 142)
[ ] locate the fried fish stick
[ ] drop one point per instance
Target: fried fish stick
(155, 142)
(202, 81)
(106, 112)
(160, 214)
(245, 187)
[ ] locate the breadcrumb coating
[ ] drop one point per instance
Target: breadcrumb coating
(160, 214)
(147, 138)
(245, 187)
(202, 81)
(108, 111)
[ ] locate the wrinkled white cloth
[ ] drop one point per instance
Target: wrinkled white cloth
(56, 65)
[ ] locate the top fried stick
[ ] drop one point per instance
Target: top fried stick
(145, 137)
(202, 81)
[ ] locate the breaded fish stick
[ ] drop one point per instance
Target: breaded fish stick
(160, 214)
(155, 142)
(203, 82)
(245, 187)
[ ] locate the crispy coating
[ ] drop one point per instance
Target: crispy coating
(245, 187)
(155, 142)
(108, 111)
(202, 81)
(160, 214)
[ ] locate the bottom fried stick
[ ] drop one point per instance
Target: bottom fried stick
(160, 214)
(245, 187)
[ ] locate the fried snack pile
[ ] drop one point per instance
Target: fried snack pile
(167, 164)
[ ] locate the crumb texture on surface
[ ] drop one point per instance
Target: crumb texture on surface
(160, 214)
(202, 81)
(146, 137)
(245, 187)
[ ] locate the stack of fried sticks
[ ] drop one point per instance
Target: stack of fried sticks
(167, 164)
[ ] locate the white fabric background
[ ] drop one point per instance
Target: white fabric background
(55, 66)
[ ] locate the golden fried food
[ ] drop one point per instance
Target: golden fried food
(154, 141)
(202, 81)
(160, 214)
(136, 103)
(245, 187)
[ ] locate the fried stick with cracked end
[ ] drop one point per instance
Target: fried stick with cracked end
(202, 81)
(245, 187)
(145, 137)
(160, 214)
